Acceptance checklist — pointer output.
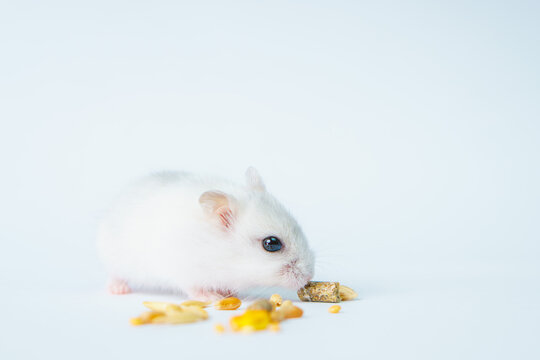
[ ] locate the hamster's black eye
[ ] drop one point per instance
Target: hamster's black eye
(271, 244)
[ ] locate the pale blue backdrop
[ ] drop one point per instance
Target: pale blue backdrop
(404, 135)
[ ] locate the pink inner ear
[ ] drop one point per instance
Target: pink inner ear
(226, 216)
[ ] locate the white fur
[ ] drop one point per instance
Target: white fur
(163, 234)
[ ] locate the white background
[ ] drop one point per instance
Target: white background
(403, 135)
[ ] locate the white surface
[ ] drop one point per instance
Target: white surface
(403, 135)
(443, 322)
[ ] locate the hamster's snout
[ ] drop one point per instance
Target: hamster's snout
(296, 274)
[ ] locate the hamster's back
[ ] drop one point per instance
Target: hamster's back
(155, 226)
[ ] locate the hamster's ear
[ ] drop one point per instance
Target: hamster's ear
(254, 180)
(218, 204)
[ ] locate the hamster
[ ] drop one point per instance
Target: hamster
(202, 236)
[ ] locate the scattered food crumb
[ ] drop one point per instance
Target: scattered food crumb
(334, 309)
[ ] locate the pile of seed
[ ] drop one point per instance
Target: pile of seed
(262, 314)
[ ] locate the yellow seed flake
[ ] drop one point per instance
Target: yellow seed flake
(274, 327)
(184, 317)
(199, 311)
(251, 320)
(145, 318)
(169, 313)
(230, 303)
(334, 309)
(202, 304)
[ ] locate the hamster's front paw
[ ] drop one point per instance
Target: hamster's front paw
(118, 287)
(209, 294)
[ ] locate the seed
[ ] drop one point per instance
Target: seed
(276, 299)
(230, 303)
(287, 303)
(274, 327)
(145, 318)
(277, 315)
(346, 293)
(136, 321)
(196, 303)
(183, 317)
(168, 313)
(220, 329)
(199, 311)
(261, 304)
(293, 312)
(286, 311)
(334, 309)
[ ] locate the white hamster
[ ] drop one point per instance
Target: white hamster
(203, 236)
